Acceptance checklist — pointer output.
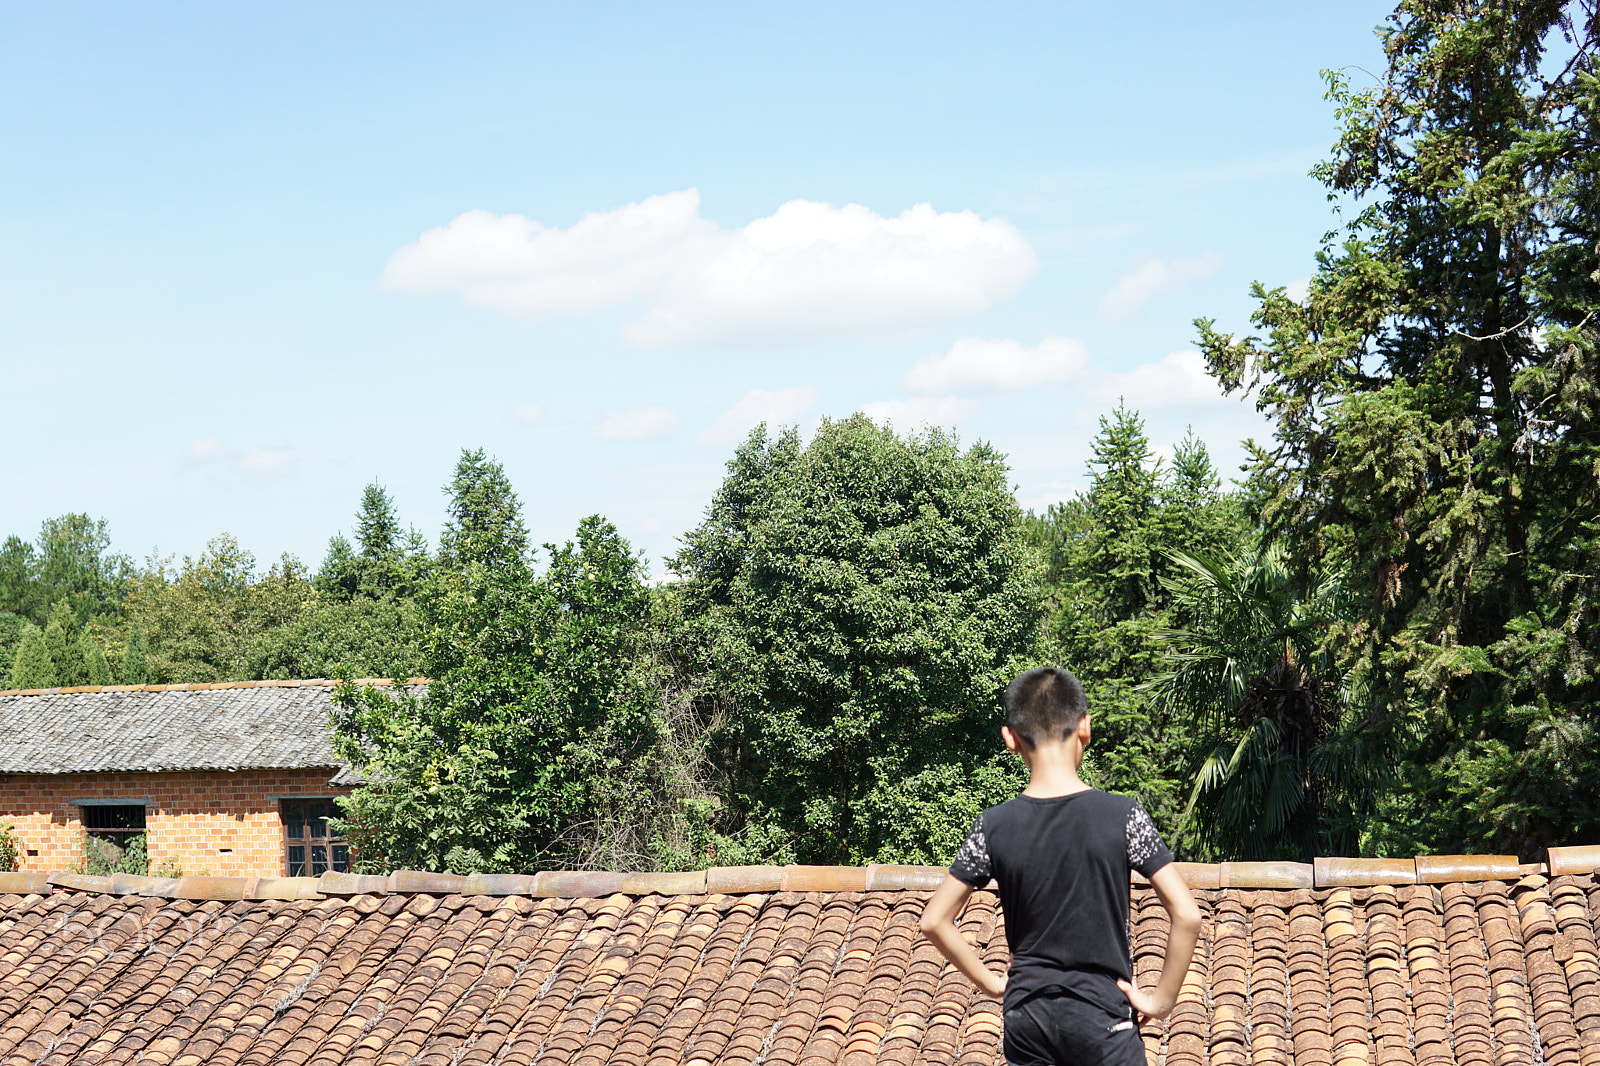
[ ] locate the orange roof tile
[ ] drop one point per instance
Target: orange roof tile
(1462, 972)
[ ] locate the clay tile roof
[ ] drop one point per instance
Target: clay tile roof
(243, 725)
(1465, 972)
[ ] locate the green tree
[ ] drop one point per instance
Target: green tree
(10, 847)
(11, 630)
(363, 637)
(68, 563)
(33, 667)
(73, 566)
(384, 562)
(135, 657)
(64, 640)
(1108, 564)
(545, 737)
(859, 604)
(203, 619)
(377, 528)
(1288, 763)
(97, 668)
(19, 579)
(484, 529)
(340, 575)
(1437, 416)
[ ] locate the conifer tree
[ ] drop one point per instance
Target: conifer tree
(64, 641)
(340, 575)
(19, 585)
(1110, 559)
(377, 528)
(97, 670)
(135, 657)
(485, 517)
(33, 667)
(1436, 408)
(385, 562)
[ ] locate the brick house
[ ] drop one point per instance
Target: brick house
(229, 779)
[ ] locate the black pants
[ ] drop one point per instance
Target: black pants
(1060, 1029)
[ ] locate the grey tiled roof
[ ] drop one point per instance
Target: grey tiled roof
(139, 731)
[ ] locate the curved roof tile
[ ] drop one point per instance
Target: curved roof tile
(1467, 972)
(166, 728)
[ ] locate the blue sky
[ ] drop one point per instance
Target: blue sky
(255, 256)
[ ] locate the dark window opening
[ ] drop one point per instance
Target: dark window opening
(311, 846)
(121, 819)
(110, 827)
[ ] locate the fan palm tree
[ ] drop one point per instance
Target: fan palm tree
(1285, 759)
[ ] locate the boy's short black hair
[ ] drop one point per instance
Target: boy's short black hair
(1046, 703)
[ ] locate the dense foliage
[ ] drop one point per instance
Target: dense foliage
(1436, 417)
(1289, 755)
(546, 737)
(1108, 553)
(859, 602)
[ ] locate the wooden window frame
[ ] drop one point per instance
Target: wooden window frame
(335, 851)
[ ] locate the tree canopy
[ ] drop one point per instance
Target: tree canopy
(1435, 406)
(544, 738)
(860, 600)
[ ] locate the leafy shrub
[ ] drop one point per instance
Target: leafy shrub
(8, 846)
(103, 859)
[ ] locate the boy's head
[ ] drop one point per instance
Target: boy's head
(1044, 705)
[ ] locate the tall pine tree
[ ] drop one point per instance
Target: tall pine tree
(33, 666)
(1109, 558)
(1438, 414)
(135, 657)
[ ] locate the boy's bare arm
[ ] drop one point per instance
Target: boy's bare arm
(939, 925)
(1184, 918)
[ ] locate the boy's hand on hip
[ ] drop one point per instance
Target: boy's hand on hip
(1144, 1003)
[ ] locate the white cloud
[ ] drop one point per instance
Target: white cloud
(639, 424)
(1299, 289)
(1177, 381)
(526, 413)
(203, 450)
(759, 405)
(264, 464)
(973, 362)
(1137, 287)
(919, 411)
(258, 465)
(807, 270)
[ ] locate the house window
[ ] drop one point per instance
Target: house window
(110, 826)
(311, 848)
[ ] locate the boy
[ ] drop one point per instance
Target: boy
(1060, 853)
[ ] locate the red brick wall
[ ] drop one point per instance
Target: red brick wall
(206, 822)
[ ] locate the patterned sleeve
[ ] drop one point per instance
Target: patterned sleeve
(972, 865)
(1146, 852)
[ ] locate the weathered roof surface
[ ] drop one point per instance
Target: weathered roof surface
(1467, 973)
(166, 727)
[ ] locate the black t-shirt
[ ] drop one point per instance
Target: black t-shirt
(1062, 865)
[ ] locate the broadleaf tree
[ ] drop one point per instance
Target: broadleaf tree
(859, 602)
(546, 737)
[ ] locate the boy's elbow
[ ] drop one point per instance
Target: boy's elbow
(927, 924)
(1186, 915)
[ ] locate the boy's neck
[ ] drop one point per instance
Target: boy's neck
(1053, 770)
